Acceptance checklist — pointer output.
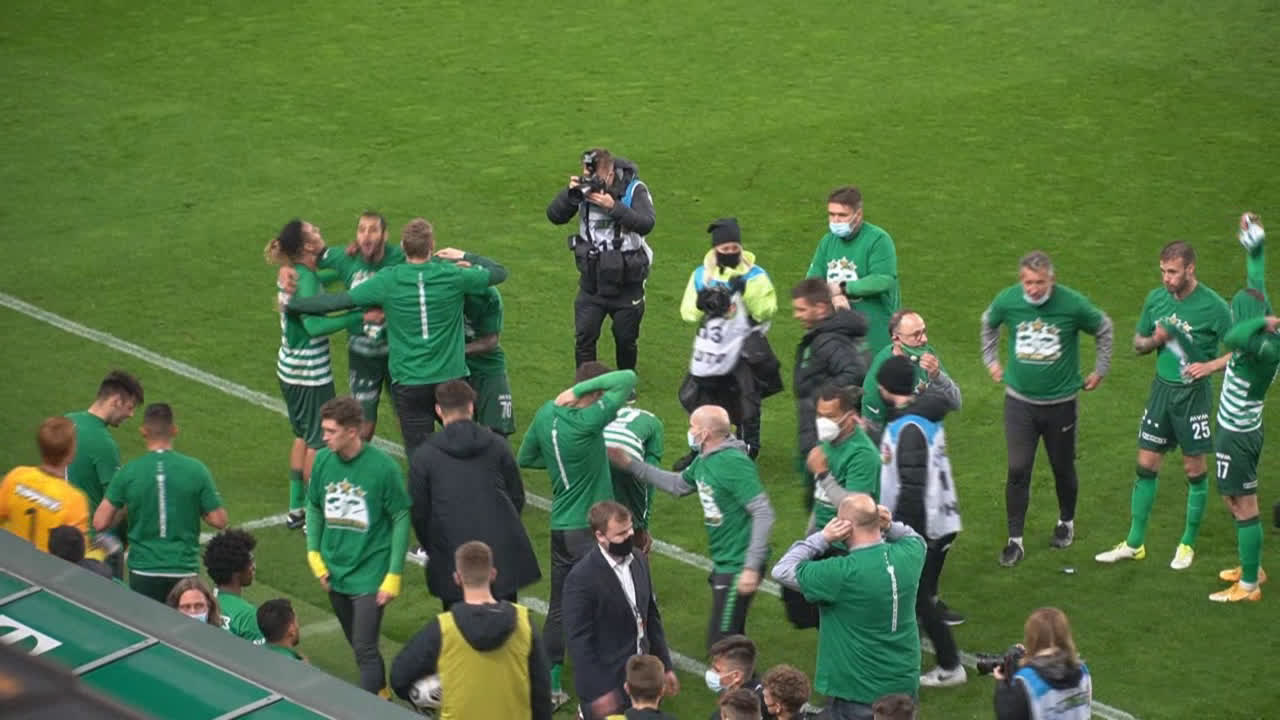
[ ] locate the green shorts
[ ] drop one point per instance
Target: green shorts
(303, 403)
(1237, 454)
(493, 403)
(1177, 415)
(367, 375)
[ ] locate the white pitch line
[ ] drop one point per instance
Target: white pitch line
(277, 406)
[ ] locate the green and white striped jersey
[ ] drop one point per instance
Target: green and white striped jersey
(303, 359)
(1249, 374)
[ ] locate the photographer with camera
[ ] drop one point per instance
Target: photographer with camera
(731, 298)
(1042, 678)
(614, 213)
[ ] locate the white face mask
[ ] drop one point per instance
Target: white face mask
(827, 428)
(693, 442)
(713, 680)
(1044, 299)
(841, 229)
(202, 617)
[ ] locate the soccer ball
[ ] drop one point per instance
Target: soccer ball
(427, 694)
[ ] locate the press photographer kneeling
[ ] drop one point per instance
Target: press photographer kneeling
(1043, 678)
(614, 213)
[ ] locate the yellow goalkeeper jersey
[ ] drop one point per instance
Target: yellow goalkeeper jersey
(33, 502)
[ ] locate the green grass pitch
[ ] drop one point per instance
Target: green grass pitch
(151, 149)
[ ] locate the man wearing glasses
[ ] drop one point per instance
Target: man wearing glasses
(907, 338)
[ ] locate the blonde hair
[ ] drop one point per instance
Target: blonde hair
(195, 583)
(1047, 629)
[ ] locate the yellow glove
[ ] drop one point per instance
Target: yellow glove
(318, 568)
(390, 585)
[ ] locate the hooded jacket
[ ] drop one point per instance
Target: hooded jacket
(1012, 701)
(829, 352)
(465, 486)
(758, 294)
(485, 628)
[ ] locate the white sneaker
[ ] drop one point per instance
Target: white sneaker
(1121, 552)
(418, 555)
(940, 677)
(1182, 557)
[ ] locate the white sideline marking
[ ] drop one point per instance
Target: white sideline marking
(277, 406)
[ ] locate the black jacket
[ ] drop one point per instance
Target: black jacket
(466, 486)
(639, 218)
(829, 352)
(1011, 700)
(600, 626)
(485, 627)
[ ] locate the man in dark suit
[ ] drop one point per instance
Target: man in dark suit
(611, 614)
(466, 486)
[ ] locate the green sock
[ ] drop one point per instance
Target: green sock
(297, 494)
(1249, 542)
(1197, 494)
(1144, 496)
(556, 669)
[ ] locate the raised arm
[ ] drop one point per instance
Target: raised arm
(883, 267)
(672, 482)
(802, 550)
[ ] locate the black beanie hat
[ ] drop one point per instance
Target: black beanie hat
(897, 375)
(724, 230)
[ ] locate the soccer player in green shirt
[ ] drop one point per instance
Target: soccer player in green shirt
(422, 301)
(357, 533)
(859, 262)
(280, 628)
(228, 558)
(487, 363)
(302, 364)
(1255, 358)
(1042, 386)
(1184, 320)
(868, 638)
(909, 338)
(845, 461)
(639, 434)
(566, 438)
(735, 509)
(165, 494)
(97, 456)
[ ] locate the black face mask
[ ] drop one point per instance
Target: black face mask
(621, 549)
(728, 260)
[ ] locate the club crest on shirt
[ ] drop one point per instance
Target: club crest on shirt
(710, 510)
(345, 506)
(1173, 321)
(1037, 342)
(842, 270)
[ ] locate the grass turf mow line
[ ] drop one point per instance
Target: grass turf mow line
(277, 406)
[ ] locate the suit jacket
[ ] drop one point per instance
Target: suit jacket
(600, 627)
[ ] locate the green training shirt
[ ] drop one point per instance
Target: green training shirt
(868, 640)
(367, 340)
(165, 494)
(727, 480)
(482, 316)
(356, 503)
(873, 407)
(639, 433)
(867, 265)
(97, 457)
(569, 443)
(1195, 325)
(239, 617)
(1044, 343)
(855, 464)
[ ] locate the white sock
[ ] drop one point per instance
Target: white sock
(1248, 587)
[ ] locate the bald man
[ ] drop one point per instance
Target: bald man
(868, 642)
(735, 507)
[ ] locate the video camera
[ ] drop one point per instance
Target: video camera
(588, 183)
(1008, 662)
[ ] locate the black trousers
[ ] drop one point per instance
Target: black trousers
(744, 411)
(938, 632)
(361, 621)
(626, 310)
(416, 410)
(728, 608)
(1024, 425)
(567, 547)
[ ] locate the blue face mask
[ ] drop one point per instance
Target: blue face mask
(841, 229)
(713, 680)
